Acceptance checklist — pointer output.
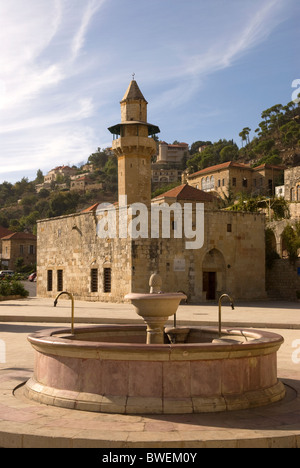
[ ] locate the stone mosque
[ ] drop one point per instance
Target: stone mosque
(73, 257)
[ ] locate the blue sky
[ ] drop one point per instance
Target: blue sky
(207, 68)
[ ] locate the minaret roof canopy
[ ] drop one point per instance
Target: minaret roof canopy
(116, 129)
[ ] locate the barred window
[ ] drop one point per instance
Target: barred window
(94, 280)
(107, 280)
(59, 280)
(49, 280)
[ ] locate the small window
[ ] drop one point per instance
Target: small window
(229, 228)
(59, 280)
(107, 280)
(21, 249)
(94, 280)
(234, 181)
(49, 280)
(245, 182)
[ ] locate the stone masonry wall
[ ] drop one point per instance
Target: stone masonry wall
(234, 250)
(283, 280)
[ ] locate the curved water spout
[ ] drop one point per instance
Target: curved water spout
(220, 312)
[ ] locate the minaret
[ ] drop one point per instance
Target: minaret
(134, 147)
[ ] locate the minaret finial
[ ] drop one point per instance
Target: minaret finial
(133, 75)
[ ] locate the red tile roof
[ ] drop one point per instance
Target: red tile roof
(4, 232)
(20, 235)
(219, 167)
(187, 192)
(90, 208)
(269, 166)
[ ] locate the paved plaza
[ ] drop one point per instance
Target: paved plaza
(24, 423)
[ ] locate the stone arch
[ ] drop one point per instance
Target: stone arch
(213, 274)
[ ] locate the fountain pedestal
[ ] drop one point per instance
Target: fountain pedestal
(155, 309)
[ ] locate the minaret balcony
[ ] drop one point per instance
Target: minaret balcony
(134, 145)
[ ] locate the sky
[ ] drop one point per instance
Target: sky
(207, 68)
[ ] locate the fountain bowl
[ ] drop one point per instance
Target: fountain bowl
(155, 304)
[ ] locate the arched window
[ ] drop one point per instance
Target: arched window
(292, 194)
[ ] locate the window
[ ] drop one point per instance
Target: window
(107, 280)
(245, 182)
(293, 194)
(59, 280)
(94, 280)
(229, 228)
(21, 249)
(49, 280)
(31, 249)
(234, 181)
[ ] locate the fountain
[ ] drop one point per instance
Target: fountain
(149, 368)
(155, 308)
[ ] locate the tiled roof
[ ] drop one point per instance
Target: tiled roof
(20, 235)
(219, 167)
(90, 208)
(269, 166)
(4, 232)
(187, 192)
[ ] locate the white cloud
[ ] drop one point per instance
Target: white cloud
(78, 41)
(65, 64)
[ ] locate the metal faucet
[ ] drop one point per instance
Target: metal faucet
(220, 304)
(72, 307)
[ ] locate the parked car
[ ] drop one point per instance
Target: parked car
(32, 277)
(6, 273)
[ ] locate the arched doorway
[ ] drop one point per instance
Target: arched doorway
(213, 274)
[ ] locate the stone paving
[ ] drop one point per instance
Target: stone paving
(24, 423)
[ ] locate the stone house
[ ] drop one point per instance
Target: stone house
(18, 245)
(173, 154)
(65, 171)
(162, 176)
(84, 183)
(3, 233)
(232, 177)
(292, 184)
(75, 255)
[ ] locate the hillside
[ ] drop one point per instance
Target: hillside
(276, 141)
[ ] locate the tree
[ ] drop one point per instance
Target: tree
(244, 134)
(39, 177)
(291, 240)
(98, 159)
(198, 144)
(229, 153)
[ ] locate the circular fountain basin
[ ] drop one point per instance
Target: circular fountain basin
(109, 368)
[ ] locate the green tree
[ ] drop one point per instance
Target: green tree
(39, 177)
(291, 240)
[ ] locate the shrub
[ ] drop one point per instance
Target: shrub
(12, 288)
